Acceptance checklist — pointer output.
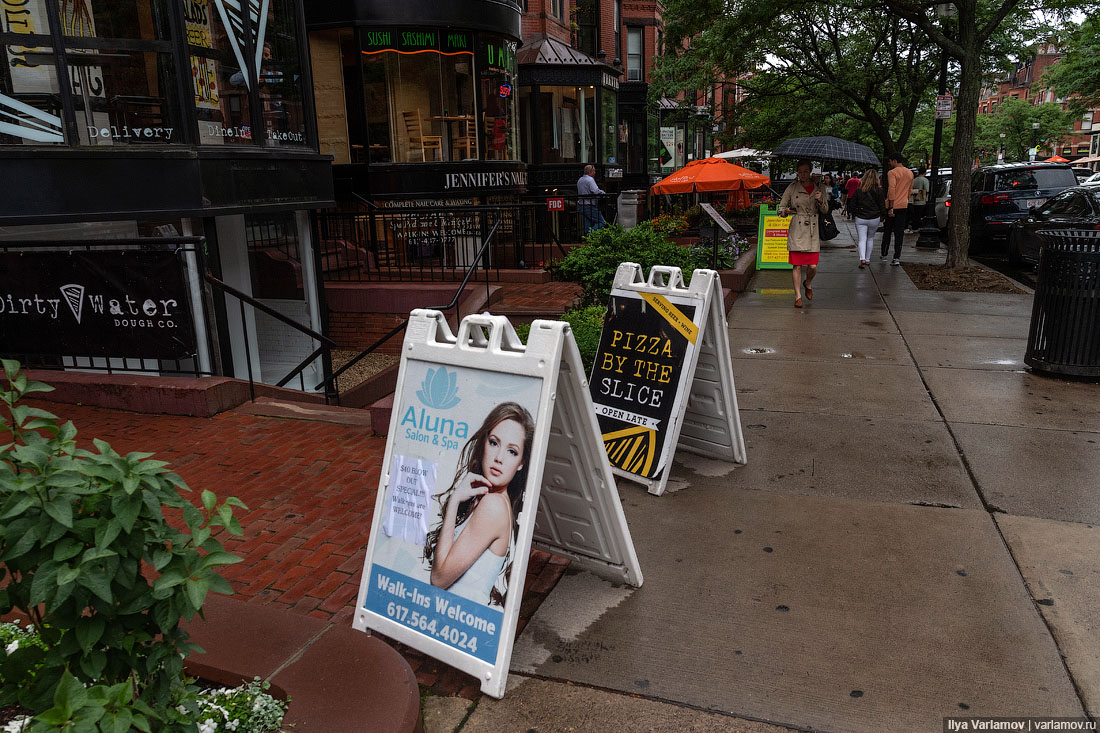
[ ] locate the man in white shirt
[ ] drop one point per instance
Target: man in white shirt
(588, 205)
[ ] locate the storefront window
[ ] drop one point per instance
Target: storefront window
(280, 78)
(609, 126)
(419, 96)
(30, 106)
(497, 60)
(567, 124)
(219, 75)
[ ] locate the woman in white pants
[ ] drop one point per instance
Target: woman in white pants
(869, 206)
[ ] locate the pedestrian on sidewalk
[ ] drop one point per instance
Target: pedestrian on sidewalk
(589, 205)
(899, 184)
(918, 200)
(470, 550)
(850, 187)
(868, 204)
(803, 200)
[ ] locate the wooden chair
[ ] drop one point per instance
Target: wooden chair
(467, 140)
(414, 133)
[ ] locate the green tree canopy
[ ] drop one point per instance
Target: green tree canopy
(1077, 75)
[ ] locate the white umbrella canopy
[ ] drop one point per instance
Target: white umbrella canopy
(743, 153)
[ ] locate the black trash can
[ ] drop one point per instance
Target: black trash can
(1064, 337)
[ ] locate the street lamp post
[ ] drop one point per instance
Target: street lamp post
(929, 229)
(1034, 140)
(1001, 152)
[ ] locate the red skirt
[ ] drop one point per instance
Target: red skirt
(803, 258)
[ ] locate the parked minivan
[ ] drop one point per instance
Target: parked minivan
(1001, 194)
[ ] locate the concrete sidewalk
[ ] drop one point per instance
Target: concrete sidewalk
(914, 536)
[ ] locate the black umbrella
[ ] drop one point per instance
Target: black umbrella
(826, 148)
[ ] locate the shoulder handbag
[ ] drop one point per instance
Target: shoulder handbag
(826, 227)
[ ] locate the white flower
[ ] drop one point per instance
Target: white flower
(208, 726)
(10, 648)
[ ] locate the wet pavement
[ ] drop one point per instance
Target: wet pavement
(912, 538)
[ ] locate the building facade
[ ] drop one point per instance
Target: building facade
(122, 120)
(1023, 82)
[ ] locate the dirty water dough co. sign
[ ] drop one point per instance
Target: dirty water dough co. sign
(118, 303)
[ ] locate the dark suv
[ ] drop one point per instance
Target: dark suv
(1001, 194)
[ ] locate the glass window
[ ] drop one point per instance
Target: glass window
(30, 103)
(132, 19)
(567, 123)
(219, 74)
(497, 62)
(124, 97)
(280, 78)
(608, 126)
(419, 96)
(557, 9)
(634, 54)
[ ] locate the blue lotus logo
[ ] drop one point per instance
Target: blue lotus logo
(438, 390)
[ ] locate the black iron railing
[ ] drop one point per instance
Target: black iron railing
(376, 243)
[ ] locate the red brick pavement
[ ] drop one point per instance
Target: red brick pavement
(310, 489)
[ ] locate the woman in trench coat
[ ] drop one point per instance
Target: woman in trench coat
(803, 201)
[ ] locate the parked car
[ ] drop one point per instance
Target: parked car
(1003, 193)
(1073, 208)
(1094, 178)
(1082, 174)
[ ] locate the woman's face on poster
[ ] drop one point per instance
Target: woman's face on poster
(503, 454)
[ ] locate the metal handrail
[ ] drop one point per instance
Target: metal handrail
(453, 304)
(243, 298)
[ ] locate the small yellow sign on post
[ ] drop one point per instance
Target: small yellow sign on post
(771, 240)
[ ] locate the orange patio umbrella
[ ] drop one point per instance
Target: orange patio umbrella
(710, 174)
(1056, 159)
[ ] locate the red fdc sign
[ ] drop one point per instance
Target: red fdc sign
(557, 204)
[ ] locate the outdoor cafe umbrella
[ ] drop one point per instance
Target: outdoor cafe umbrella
(1056, 159)
(744, 153)
(710, 174)
(826, 147)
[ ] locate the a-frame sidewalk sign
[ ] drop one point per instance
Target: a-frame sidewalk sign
(663, 376)
(497, 443)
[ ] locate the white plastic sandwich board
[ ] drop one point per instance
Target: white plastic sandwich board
(493, 446)
(663, 375)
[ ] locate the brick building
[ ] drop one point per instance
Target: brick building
(1025, 82)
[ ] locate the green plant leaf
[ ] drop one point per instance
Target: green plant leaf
(67, 547)
(166, 616)
(126, 508)
(97, 553)
(89, 630)
(161, 557)
(202, 534)
(11, 368)
(192, 517)
(196, 592)
(22, 503)
(67, 574)
(33, 386)
(44, 584)
(61, 509)
(209, 499)
(106, 532)
(219, 558)
(130, 483)
(170, 579)
(97, 582)
(70, 694)
(93, 663)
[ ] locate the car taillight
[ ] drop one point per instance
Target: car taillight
(995, 198)
(947, 203)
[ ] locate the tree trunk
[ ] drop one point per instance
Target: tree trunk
(966, 123)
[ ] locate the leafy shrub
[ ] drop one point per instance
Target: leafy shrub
(586, 324)
(594, 263)
(87, 553)
(245, 709)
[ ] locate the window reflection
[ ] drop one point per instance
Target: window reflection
(498, 100)
(218, 80)
(280, 82)
(124, 97)
(30, 106)
(418, 91)
(567, 124)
